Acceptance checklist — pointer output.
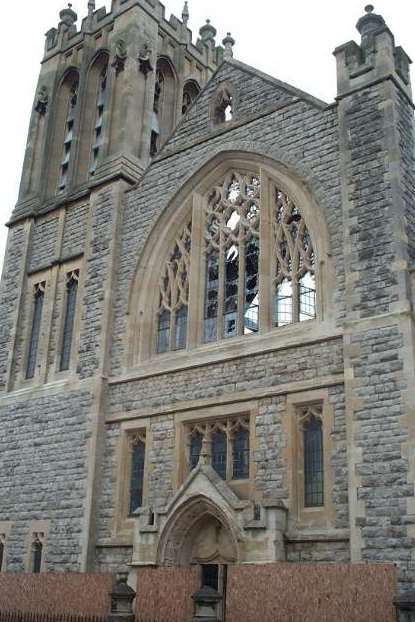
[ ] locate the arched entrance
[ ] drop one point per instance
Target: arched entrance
(198, 532)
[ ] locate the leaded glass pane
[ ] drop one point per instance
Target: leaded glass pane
(195, 449)
(231, 293)
(181, 329)
(307, 297)
(251, 314)
(37, 550)
(163, 338)
(219, 453)
(35, 334)
(71, 295)
(211, 297)
(241, 454)
(137, 476)
(313, 463)
(283, 304)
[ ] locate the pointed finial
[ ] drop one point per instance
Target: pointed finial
(228, 44)
(68, 16)
(186, 14)
(369, 8)
(91, 7)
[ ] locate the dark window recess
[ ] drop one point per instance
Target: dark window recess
(211, 297)
(37, 552)
(71, 295)
(210, 576)
(163, 338)
(151, 519)
(181, 329)
(1, 555)
(219, 453)
(257, 511)
(241, 455)
(35, 333)
(251, 313)
(137, 476)
(313, 463)
(231, 293)
(195, 449)
(154, 147)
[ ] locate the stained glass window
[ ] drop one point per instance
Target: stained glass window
(241, 454)
(36, 327)
(196, 442)
(137, 475)
(68, 329)
(219, 453)
(313, 462)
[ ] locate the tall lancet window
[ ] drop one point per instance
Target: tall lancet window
(37, 553)
(138, 454)
(72, 279)
(174, 295)
(99, 117)
(69, 134)
(232, 220)
(294, 265)
(39, 296)
(312, 426)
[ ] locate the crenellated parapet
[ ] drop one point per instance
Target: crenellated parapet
(376, 58)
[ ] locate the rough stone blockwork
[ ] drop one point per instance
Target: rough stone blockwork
(43, 445)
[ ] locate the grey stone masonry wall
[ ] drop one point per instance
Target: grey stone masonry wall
(43, 448)
(10, 287)
(301, 136)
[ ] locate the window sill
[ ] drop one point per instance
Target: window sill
(305, 333)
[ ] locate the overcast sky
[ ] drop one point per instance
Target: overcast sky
(292, 41)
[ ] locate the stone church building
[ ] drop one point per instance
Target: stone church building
(206, 314)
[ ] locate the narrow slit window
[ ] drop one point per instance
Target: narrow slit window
(36, 328)
(2, 551)
(241, 454)
(70, 312)
(313, 463)
(219, 453)
(137, 474)
(37, 555)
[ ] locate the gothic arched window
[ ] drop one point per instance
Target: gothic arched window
(190, 91)
(71, 89)
(196, 442)
(241, 454)
(164, 105)
(313, 451)
(223, 105)
(138, 452)
(101, 98)
(39, 296)
(71, 295)
(174, 295)
(255, 265)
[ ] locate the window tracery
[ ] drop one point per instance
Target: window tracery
(232, 220)
(256, 266)
(224, 443)
(174, 295)
(294, 269)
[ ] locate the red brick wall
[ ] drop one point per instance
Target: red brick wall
(166, 593)
(311, 593)
(82, 594)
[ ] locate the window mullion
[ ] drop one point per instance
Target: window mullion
(266, 255)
